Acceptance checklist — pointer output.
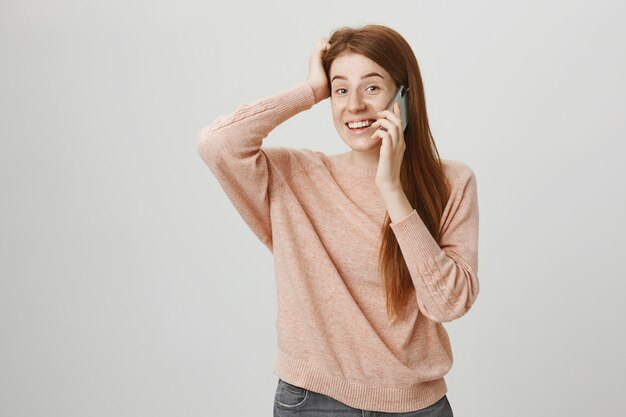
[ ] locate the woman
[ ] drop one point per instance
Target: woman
(374, 248)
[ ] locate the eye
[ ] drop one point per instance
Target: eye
(337, 90)
(373, 86)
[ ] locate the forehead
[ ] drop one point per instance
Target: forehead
(351, 65)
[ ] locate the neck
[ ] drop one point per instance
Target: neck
(364, 159)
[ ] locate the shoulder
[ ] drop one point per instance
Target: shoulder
(461, 179)
(458, 172)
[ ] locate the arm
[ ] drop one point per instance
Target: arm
(231, 148)
(445, 277)
(231, 145)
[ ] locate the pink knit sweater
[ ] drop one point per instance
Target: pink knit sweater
(321, 217)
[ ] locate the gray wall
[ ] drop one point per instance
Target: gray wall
(129, 286)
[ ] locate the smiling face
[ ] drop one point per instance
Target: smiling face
(359, 88)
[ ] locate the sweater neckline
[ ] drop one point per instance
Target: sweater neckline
(345, 166)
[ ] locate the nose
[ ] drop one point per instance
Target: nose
(356, 102)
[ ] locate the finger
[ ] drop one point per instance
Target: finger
(393, 129)
(385, 145)
(398, 113)
(323, 43)
(323, 48)
(390, 127)
(384, 123)
(381, 134)
(389, 116)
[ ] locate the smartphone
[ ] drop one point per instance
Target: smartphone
(400, 97)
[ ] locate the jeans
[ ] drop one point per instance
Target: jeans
(291, 401)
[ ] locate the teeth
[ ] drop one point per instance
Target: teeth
(359, 124)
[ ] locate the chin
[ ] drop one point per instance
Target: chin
(360, 143)
(363, 147)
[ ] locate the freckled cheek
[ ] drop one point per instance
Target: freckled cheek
(337, 118)
(338, 124)
(377, 104)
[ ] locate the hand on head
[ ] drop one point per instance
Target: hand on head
(317, 77)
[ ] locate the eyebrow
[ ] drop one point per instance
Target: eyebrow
(371, 74)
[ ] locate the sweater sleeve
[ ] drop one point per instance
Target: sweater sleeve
(231, 148)
(445, 277)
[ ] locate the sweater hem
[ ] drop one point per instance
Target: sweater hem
(357, 394)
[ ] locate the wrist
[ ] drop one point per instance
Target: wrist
(319, 93)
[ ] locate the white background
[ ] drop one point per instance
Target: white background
(129, 284)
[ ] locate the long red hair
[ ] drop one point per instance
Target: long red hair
(421, 174)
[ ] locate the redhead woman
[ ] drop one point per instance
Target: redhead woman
(374, 249)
